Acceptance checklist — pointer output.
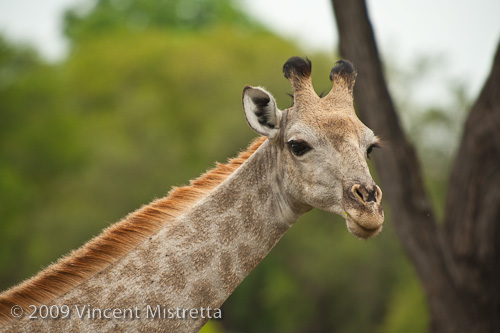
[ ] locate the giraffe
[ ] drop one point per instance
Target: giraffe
(171, 264)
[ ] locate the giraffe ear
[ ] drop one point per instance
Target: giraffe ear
(261, 112)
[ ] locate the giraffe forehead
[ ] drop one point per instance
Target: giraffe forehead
(334, 126)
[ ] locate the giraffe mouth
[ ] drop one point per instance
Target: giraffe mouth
(363, 211)
(360, 231)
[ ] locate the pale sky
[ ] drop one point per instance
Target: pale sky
(464, 33)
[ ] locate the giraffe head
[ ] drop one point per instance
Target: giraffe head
(322, 147)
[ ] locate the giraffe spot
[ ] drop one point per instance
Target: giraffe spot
(72, 301)
(175, 277)
(94, 290)
(197, 238)
(130, 269)
(229, 195)
(227, 231)
(248, 258)
(115, 294)
(273, 234)
(264, 192)
(202, 294)
(244, 253)
(251, 227)
(250, 222)
(199, 222)
(201, 231)
(202, 257)
(227, 272)
(178, 230)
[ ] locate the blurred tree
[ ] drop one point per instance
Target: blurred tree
(93, 17)
(38, 147)
(457, 261)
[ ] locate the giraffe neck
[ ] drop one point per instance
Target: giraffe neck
(194, 262)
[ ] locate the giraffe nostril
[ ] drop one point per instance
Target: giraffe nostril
(366, 194)
(359, 194)
(374, 195)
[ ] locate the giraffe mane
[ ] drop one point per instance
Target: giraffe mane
(116, 240)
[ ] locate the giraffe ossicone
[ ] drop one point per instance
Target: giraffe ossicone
(190, 250)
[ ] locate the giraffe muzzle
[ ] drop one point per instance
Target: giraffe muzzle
(363, 210)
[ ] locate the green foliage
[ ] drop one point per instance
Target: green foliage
(37, 147)
(93, 17)
(407, 311)
(127, 115)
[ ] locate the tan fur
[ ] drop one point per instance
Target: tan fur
(115, 241)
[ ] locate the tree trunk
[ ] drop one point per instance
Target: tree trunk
(458, 263)
(472, 212)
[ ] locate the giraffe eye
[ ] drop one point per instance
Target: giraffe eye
(298, 148)
(370, 148)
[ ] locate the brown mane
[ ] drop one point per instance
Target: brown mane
(116, 240)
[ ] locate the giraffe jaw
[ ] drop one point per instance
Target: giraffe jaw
(358, 230)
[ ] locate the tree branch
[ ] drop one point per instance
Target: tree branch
(472, 215)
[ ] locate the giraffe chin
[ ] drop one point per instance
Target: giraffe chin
(359, 231)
